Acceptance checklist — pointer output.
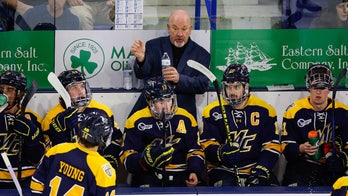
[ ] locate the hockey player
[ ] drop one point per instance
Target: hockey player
(77, 168)
(249, 157)
(60, 123)
(17, 128)
(161, 145)
(340, 187)
(314, 113)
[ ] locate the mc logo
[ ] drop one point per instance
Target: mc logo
(84, 55)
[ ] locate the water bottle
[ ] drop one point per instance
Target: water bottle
(127, 76)
(3, 98)
(313, 139)
(165, 60)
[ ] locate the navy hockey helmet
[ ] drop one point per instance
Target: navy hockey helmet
(70, 77)
(95, 128)
(319, 76)
(15, 79)
(235, 73)
(158, 89)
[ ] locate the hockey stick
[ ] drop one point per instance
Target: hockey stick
(10, 169)
(28, 95)
(58, 86)
(205, 71)
(334, 90)
(164, 129)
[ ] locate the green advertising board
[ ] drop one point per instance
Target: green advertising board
(30, 52)
(278, 57)
(273, 57)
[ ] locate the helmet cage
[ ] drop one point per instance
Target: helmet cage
(319, 76)
(157, 89)
(81, 101)
(70, 77)
(235, 73)
(231, 101)
(167, 115)
(17, 80)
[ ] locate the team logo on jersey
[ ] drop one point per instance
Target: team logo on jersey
(143, 126)
(301, 122)
(85, 55)
(107, 170)
(217, 116)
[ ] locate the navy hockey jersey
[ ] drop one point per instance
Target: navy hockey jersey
(300, 118)
(70, 169)
(255, 128)
(141, 129)
(31, 153)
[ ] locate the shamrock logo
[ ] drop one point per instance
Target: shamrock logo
(83, 62)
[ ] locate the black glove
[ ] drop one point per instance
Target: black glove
(63, 124)
(156, 156)
(24, 127)
(112, 160)
(110, 153)
(259, 176)
(336, 162)
(228, 154)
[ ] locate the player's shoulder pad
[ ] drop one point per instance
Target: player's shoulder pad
(209, 107)
(183, 112)
(254, 100)
(101, 106)
(104, 173)
(143, 113)
(60, 149)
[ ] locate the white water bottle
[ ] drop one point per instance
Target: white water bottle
(165, 60)
(127, 77)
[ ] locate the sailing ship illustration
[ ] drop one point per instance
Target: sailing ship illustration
(252, 57)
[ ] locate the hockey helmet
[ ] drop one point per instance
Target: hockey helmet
(158, 89)
(95, 128)
(15, 79)
(319, 76)
(235, 73)
(70, 77)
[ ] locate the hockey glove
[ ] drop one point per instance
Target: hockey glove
(156, 156)
(259, 176)
(24, 127)
(110, 153)
(112, 160)
(228, 154)
(63, 124)
(336, 162)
